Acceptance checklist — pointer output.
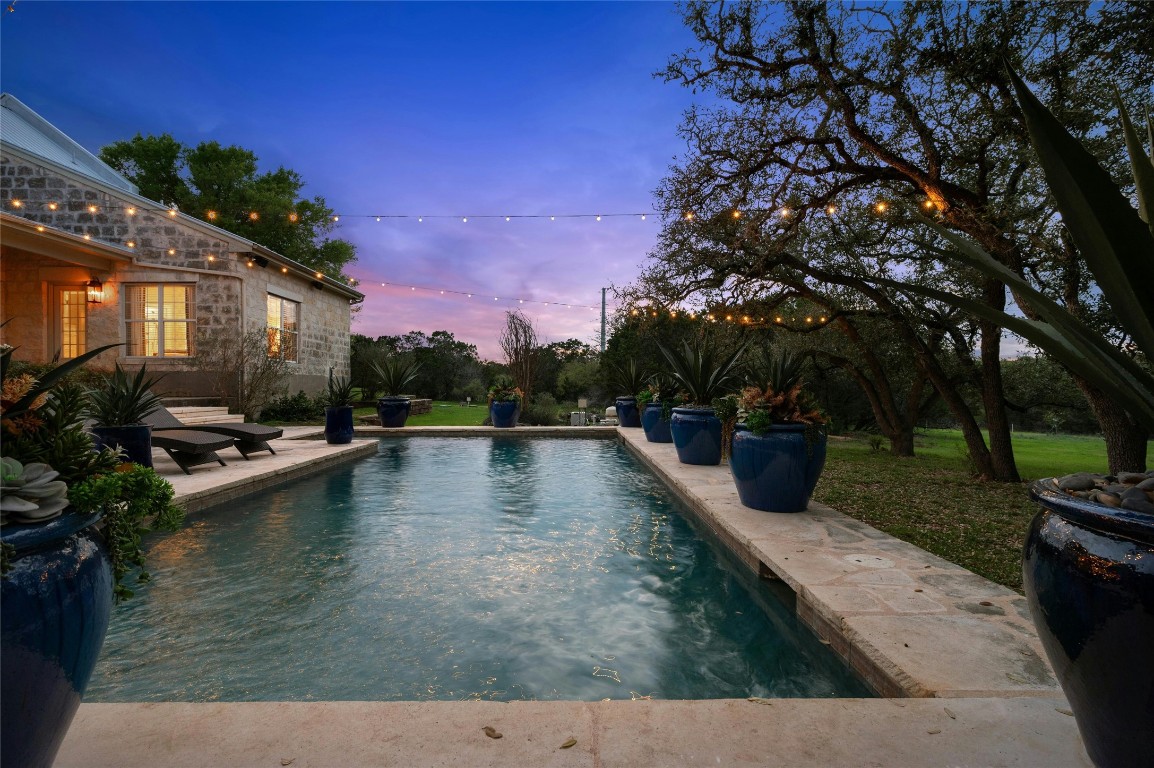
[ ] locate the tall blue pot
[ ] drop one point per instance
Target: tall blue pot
(777, 471)
(394, 411)
(56, 602)
(504, 413)
(627, 413)
(135, 440)
(656, 428)
(338, 424)
(696, 435)
(1088, 574)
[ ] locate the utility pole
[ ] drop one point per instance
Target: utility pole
(603, 320)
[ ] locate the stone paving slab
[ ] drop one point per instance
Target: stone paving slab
(763, 732)
(296, 456)
(910, 622)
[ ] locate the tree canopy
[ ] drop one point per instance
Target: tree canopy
(223, 186)
(835, 125)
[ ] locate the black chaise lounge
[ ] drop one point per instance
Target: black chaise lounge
(249, 438)
(190, 448)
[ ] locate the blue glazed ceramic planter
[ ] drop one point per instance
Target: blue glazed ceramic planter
(696, 435)
(777, 471)
(627, 413)
(656, 428)
(393, 411)
(135, 440)
(339, 424)
(57, 599)
(1088, 574)
(504, 413)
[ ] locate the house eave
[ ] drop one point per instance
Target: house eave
(18, 232)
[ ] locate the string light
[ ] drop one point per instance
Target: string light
(92, 209)
(130, 211)
(294, 217)
(443, 291)
(52, 206)
(253, 216)
(16, 203)
(211, 215)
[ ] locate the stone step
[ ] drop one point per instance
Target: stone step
(205, 415)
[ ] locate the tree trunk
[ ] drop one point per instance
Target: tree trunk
(902, 442)
(1125, 440)
(993, 394)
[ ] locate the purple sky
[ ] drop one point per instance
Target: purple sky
(404, 108)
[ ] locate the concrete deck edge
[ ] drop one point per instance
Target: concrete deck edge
(856, 636)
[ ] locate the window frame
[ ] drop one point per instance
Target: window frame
(278, 332)
(57, 319)
(190, 322)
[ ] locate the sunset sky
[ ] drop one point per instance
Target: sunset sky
(418, 109)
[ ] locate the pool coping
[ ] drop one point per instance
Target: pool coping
(912, 624)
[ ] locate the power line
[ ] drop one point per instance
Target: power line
(483, 295)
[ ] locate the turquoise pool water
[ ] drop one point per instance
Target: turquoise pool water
(457, 568)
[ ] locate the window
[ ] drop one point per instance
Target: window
(160, 319)
(71, 321)
(283, 328)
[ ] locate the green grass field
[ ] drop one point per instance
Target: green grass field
(932, 501)
(444, 414)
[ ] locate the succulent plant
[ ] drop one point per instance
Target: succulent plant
(395, 373)
(703, 374)
(781, 400)
(30, 493)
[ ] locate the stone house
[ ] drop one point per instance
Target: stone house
(86, 261)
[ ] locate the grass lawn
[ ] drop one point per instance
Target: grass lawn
(931, 500)
(444, 414)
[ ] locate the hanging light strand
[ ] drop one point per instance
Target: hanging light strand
(483, 295)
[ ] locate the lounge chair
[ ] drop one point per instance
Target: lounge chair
(249, 438)
(190, 448)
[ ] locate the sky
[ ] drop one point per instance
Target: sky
(419, 109)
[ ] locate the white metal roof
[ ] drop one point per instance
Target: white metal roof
(23, 128)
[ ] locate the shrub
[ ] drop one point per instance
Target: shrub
(542, 411)
(298, 407)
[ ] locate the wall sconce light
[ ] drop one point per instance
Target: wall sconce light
(95, 290)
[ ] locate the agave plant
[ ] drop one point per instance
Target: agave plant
(340, 392)
(124, 400)
(629, 377)
(704, 375)
(1117, 242)
(395, 373)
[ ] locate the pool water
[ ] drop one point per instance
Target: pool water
(457, 568)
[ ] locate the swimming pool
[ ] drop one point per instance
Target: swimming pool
(458, 568)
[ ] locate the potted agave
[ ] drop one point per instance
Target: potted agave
(504, 403)
(1088, 564)
(393, 375)
(339, 411)
(629, 378)
(71, 518)
(779, 451)
(656, 403)
(704, 376)
(118, 410)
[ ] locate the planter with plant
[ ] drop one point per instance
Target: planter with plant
(629, 378)
(118, 409)
(779, 450)
(704, 376)
(394, 374)
(339, 411)
(656, 403)
(1088, 564)
(72, 519)
(504, 403)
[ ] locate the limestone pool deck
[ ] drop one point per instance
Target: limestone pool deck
(954, 656)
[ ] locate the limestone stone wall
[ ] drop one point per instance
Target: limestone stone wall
(231, 288)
